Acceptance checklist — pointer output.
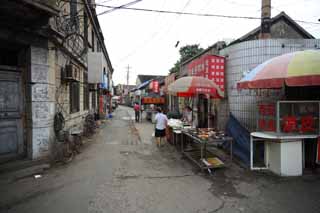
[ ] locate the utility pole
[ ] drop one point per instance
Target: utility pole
(128, 70)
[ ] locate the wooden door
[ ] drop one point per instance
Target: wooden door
(11, 106)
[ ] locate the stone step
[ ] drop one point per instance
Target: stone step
(21, 168)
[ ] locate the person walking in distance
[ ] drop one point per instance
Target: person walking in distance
(136, 108)
(161, 124)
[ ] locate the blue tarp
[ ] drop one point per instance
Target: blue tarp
(241, 136)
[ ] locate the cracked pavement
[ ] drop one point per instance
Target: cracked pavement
(121, 170)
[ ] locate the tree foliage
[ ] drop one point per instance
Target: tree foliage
(186, 52)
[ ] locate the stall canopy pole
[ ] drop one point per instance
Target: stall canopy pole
(140, 111)
(192, 111)
(208, 111)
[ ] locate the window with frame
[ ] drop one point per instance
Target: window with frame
(74, 13)
(85, 30)
(85, 91)
(74, 96)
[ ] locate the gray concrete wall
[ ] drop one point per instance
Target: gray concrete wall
(48, 96)
(42, 104)
(240, 59)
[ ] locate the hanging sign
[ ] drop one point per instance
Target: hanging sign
(155, 87)
(151, 100)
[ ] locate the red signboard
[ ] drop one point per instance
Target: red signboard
(299, 117)
(209, 66)
(151, 100)
(267, 117)
(154, 86)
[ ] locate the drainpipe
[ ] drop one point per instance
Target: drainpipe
(265, 19)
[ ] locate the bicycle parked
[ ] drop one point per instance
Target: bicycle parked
(89, 125)
(69, 142)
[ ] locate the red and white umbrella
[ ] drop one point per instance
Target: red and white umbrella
(194, 85)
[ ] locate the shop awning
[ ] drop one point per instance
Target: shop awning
(300, 68)
(142, 85)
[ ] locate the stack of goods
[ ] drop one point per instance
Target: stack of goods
(214, 162)
(203, 133)
(206, 133)
(175, 123)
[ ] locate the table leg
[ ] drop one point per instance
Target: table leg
(181, 142)
(231, 150)
(201, 152)
(173, 138)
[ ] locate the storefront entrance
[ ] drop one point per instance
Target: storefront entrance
(202, 112)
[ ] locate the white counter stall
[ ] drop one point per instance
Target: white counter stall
(283, 152)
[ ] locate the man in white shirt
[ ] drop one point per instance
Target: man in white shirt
(161, 124)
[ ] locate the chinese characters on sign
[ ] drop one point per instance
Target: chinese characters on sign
(294, 117)
(267, 117)
(299, 117)
(209, 66)
(150, 100)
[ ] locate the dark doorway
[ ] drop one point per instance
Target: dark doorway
(202, 112)
(310, 152)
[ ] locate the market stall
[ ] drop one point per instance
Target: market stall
(175, 127)
(288, 129)
(198, 139)
(150, 104)
(198, 150)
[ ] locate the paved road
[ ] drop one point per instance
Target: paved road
(120, 170)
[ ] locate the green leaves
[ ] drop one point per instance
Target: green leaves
(186, 52)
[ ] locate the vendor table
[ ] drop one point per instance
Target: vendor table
(203, 151)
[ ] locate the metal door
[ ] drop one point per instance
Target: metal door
(11, 106)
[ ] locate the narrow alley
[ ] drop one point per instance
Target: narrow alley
(120, 170)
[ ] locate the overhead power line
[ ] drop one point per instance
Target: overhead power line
(187, 13)
(119, 7)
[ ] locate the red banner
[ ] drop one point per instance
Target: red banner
(155, 88)
(101, 110)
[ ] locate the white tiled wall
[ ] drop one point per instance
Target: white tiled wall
(241, 58)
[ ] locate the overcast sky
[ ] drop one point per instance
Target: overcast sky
(146, 41)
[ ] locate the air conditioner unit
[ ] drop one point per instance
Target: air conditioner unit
(71, 73)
